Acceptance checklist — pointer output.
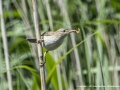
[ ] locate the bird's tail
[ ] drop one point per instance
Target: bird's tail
(32, 40)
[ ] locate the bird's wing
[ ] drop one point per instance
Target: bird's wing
(49, 33)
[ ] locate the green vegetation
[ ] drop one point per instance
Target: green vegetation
(86, 61)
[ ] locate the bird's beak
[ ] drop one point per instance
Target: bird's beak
(77, 31)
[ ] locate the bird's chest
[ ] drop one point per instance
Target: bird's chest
(52, 42)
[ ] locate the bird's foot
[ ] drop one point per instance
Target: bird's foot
(40, 40)
(42, 63)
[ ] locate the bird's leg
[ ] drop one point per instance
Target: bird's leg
(45, 55)
(43, 62)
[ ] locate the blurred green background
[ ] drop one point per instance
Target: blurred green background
(93, 64)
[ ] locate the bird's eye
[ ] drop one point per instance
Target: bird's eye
(64, 30)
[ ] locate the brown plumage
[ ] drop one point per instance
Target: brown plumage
(53, 39)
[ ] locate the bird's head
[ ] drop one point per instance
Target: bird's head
(64, 32)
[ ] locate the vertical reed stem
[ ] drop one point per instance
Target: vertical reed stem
(39, 46)
(5, 45)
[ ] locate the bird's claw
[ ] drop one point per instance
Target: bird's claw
(40, 40)
(42, 63)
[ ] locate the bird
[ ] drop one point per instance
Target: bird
(51, 40)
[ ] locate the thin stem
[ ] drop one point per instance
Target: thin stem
(5, 48)
(67, 20)
(49, 14)
(39, 46)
